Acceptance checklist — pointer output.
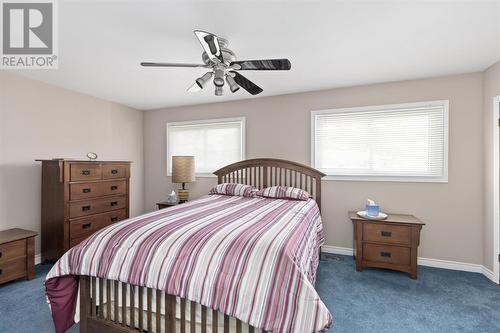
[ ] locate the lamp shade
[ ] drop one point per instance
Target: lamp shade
(183, 169)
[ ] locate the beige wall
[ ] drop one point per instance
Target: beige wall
(38, 120)
(491, 89)
(280, 127)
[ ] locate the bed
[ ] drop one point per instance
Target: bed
(216, 264)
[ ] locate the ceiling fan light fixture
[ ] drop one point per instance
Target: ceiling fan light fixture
(202, 81)
(233, 86)
(219, 91)
(219, 74)
(224, 66)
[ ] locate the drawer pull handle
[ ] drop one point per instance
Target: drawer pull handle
(86, 225)
(87, 190)
(114, 203)
(386, 233)
(114, 171)
(0, 271)
(84, 208)
(85, 172)
(385, 254)
(114, 188)
(0, 254)
(114, 219)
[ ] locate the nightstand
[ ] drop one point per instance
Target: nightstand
(17, 254)
(391, 243)
(165, 204)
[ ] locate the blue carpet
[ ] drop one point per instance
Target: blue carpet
(372, 301)
(384, 301)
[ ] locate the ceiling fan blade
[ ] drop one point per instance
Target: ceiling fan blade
(170, 64)
(246, 84)
(194, 88)
(210, 44)
(263, 65)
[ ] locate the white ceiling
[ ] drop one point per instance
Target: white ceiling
(329, 43)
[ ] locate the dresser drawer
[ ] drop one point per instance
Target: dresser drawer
(386, 253)
(12, 250)
(12, 269)
(85, 171)
(95, 206)
(97, 189)
(84, 227)
(385, 233)
(110, 171)
(76, 241)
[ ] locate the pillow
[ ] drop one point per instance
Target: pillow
(284, 192)
(241, 190)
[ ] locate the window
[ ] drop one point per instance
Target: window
(213, 143)
(404, 142)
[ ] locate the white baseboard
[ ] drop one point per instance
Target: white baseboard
(346, 251)
(490, 275)
(438, 263)
(448, 264)
(38, 259)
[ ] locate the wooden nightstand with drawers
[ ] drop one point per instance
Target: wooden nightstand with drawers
(391, 243)
(165, 204)
(17, 254)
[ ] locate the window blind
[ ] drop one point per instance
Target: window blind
(213, 143)
(405, 142)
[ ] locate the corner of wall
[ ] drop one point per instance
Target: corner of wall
(491, 88)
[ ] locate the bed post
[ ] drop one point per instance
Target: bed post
(318, 201)
(318, 192)
(84, 303)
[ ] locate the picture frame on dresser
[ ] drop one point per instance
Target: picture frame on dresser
(79, 198)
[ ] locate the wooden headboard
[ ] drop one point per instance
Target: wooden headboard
(266, 172)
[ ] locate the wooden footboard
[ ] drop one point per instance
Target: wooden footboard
(108, 306)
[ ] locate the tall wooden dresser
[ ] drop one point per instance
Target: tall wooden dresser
(79, 198)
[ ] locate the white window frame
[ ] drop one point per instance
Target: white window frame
(442, 179)
(206, 121)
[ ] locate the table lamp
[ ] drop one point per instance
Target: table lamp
(183, 172)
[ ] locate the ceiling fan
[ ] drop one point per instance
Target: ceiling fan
(223, 66)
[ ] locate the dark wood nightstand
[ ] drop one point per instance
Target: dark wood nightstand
(165, 204)
(17, 254)
(391, 243)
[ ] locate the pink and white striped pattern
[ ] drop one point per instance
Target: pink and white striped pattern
(252, 258)
(284, 192)
(234, 189)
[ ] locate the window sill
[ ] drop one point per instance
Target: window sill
(387, 179)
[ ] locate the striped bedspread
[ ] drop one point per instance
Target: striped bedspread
(251, 258)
